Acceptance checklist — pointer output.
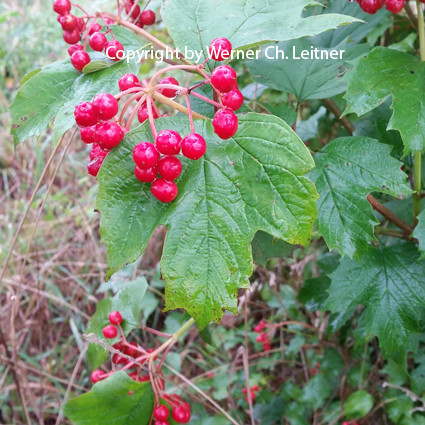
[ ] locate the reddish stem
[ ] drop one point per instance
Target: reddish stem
(206, 99)
(135, 110)
(189, 113)
(151, 118)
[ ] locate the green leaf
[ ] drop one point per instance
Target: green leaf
(314, 294)
(348, 169)
(194, 24)
(251, 182)
(317, 390)
(419, 233)
(384, 73)
(264, 246)
(56, 89)
(390, 283)
(129, 303)
(118, 400)
(358, 405)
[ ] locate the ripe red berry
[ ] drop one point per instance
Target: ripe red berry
(71, 37)
(143, 114)
(136, 10)
(88, 134)
(146, 175)
(97, 151)
(162, 423)
(81, 25)
(110, 331)
(394, 6)
(161, 413)
(97, 375)
(179, 414)
(128, 81)
(170, 167)
(147, 17)
(97, 41)
(371, 6)
(79, 60)
(233, 99)
(68, 22)
(114, 50)
(168, 142)
(85, 115)
(346, 423)
(145, 155)
(117, 359)
(223, 78)
(96, 27)
(105, 106)
(62, 7)
(186, 406)
(115, 318)
(164, 190)
(119, 346)
(94, 165)
(109, 135)
(194, 146)
(74, 48)
(169, 92)
(225, 124)
(220, 49)
(130, 351)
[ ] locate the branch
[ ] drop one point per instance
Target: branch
(345, 122)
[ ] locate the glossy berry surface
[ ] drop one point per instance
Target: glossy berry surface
(97, 151)
(85, 114)
(130, 351)
(96, 27)
(79, 60)
(162, 423)
(97, 41)
(146, 175)
(225, 124)
(164, 190)
(136, 11)
(109, 135)
(223, 78)
(168, 92)
(105, 106)
(114, 50)
(161, 413)
(71, 37)
(394, 6)
(115, 318)
(179, 414)
(110, 331)
(220, 49)
(147, 17)
(128, 81)
(145, 155)
(62, 7)
(143, 114)
(170, 167)
(168, 142)
(233, 99)
(193, 146)
(68, 22)
(94, 165)
(371, 6)
(88, 134)
(74, 48)
(97, 375)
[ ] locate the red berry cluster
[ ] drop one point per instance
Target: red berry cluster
(180, 411)
(350, 423)
(76, 27)
(93, 118)
(372, 6)
(252, 393)
(263, 338)
(137, 16)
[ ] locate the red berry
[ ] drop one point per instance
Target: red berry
(145, 155)
(97, 375)
(115, 318)
(97, 41)
(168, 142)
(179, 414)
(68, 22)
(168, 92)
(132, 352)
(193, 146)
(81, 25)
(96, 27)
(97, 151)
(371, 6)
(146, 175)
(143, 114)
(262, 337)
(223, 78)
(346, 423)
(164, 190)
(136, 10)
(117, 359)
(88, 134)
(259, 328)
(254, 388)
(267, 346)
(79, 60)
(162, 423)
(169, 167)
(186, 406)
(74, 48)
(161, 413)
(62, 6)
(225, 124)
(128, 81)
(110, 332)
(220, 49)
(114, 50)
(147, 17)
(109, 135)
(233, 99)
(105, 105)
(85, 114)
(71, 37)
(118, 346)
(394, 6)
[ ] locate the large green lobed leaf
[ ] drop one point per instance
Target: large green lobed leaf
(252, 182)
